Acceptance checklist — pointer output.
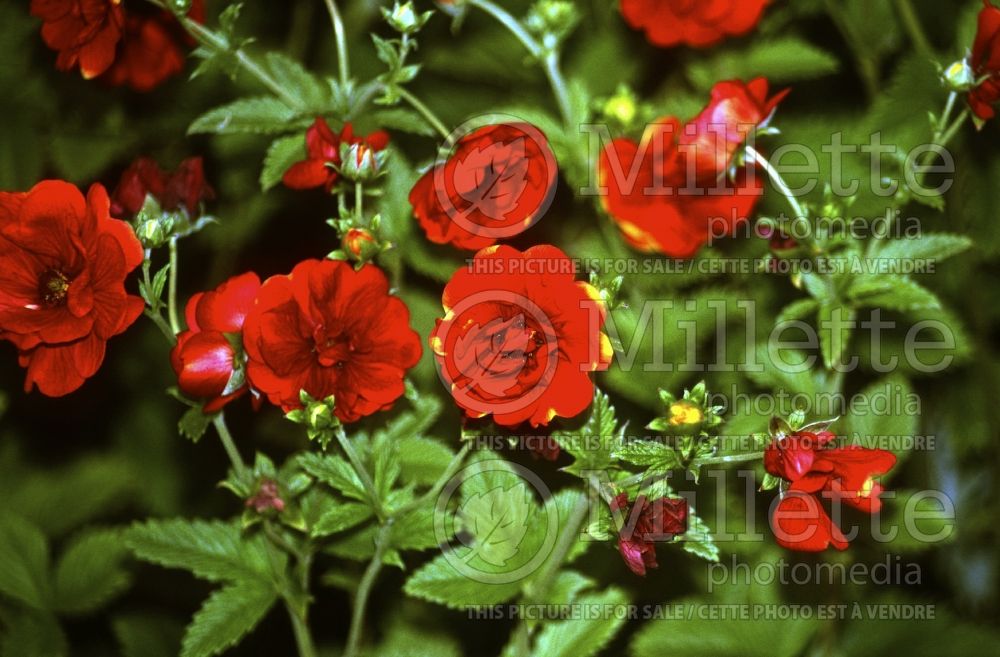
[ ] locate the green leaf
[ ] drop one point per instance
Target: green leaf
(891, 411)
(498, 520)
(300, 83)
(423, 460)
(891, 292)
(592, 444)
(784, 59)
(90, 572)
(212, 550)
(439, 581)
(835, 322)
(341, 517)
(226, 617)
(648, 453)
(261, 114)
(281, 154)
(936, 246)
(797, 310)
(583, 637)
(144, 635)
(698, 539)
(193, 424)
(31, 633)
(24, 562)
(335, 472)
(402, 119)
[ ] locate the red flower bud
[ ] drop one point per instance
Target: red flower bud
(986, 63)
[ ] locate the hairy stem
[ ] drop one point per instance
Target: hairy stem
(362, 471)
(300, 626)
(341, 39)
(754, 156)
(913, 27)
(365, 589)
(424, 111)
(175, 324)
(230, 446)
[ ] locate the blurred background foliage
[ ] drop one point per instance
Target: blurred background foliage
(73, 469)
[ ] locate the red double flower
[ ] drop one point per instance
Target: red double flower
(670, 193)
(698, 23)
(814, 470)
(208, 357)
(644, 523)
(63, 264)
(520, 337)
(184, 188)
(319, 169)
(140, 47)
(986, 63)
(329, 329)
(498, 181)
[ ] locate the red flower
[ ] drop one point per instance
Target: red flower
(520, 337)
(497, 183)
(669, 193)
(646, 523)
(85, 32)
(330, 330)
(207, 356)
(153, 47)
(323, 155)
(184, 188)
(63, 263)
(791, 457)
(986, 62)
(697, 23)
(841, 474)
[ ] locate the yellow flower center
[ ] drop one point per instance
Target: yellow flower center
(682, 413)
(866, 488)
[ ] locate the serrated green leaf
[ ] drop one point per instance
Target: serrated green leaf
(698, 539)
(438, 581)
(281, 155)
(835, 327)
(212, 550)
(226, 617)
(24, 562)
(398, 118)
(891, 412)
(784, 59)
(300, 83)
(90, 572)
(648, 453)
(193, 424)
(592, 444)
(583, 637)
(341, 517)
(423, 460)
(891, 292)
(797, 310)
(497, 519)
(259, 114)
(929, 246)
(335, 472)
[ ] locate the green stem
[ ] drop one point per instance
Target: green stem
(230, 446)
(913, 27)
(430, 496)
(424, 111)
(365, 589)
(550, 59)
(300, 626)
(559, 88)
(866, 64)
(162, 325)
(777, 181)
(511, 24)
(729, 458)
(359, 467)
(340, 37)
(953, 129)
(570, 535)
(212, 40)
(175, 324)
(359, 202)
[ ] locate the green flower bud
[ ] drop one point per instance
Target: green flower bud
(959, 76)
(404, 18)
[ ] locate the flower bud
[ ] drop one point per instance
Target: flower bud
(267, 498)
(359, 244)
(552, 20)
(152, 225)
(404, 19)
(621, 108)
(318, 417)
(359, 162)
(959, 76)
